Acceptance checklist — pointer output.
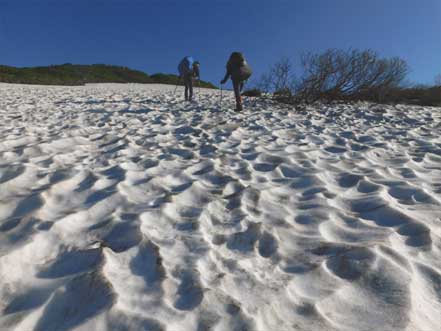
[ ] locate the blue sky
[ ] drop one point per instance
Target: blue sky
(153, 35)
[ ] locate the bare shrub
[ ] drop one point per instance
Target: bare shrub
(347, 76)
(254, 92)
(264, 83)
(438, 80)
(344, 75)
(279, 80)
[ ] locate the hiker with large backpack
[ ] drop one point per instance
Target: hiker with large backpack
(188, 71)
(239, 71)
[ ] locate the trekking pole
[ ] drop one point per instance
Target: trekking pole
(176, 87)
(220, 103)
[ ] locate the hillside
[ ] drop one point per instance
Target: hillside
(160, 78)
(71, 74)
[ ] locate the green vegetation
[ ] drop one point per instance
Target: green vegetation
(71, 74)
(173, 80)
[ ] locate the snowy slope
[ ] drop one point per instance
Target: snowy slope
(123, 208)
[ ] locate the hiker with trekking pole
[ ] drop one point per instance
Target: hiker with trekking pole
(239, 71)
(188, 71)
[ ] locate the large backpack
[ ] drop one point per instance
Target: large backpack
(185, 67)
(236, 58)
(238, 67)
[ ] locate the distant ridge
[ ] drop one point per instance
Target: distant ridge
(73, 74)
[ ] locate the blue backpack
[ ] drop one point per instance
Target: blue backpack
(185, 66)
